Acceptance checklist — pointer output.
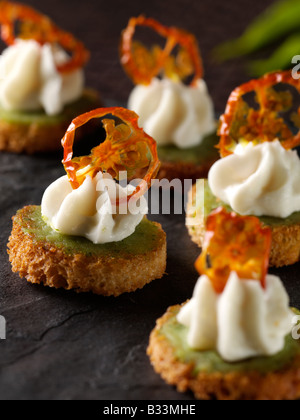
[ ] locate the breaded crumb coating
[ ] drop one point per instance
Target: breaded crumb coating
(285, 248)
(283, 384)
(43, 262)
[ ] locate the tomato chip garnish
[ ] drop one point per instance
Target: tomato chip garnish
(245, 123)
(142, 64)
(127, 148)
(234, 243)
(36, 26)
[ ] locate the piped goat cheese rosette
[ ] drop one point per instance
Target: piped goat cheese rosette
(42, 85)
(171, 98)
(91, 232)
(259, 172)
(233, 340)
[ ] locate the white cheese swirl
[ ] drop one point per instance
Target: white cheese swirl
(173, 113)
(89, 211)
(261, 180)
(29, 79)
(244, 321)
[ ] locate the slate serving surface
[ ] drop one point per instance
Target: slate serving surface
(63, 345)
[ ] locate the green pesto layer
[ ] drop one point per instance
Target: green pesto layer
(88, 101)
(145, 238)
(210, 361)
(198, 155)
(211, 203)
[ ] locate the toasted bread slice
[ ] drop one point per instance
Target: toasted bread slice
(35, 132)
(280, 384)
(191, 163)
(184, 170)
(46, 257)
(285, 248)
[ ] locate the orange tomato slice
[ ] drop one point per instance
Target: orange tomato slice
(234, 243)
(142, 64)
(126, 148)
(245, 123)
(36, 26)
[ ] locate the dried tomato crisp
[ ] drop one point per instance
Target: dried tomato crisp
(36, 26)
(234, 243)
(127, 148)
(142, 64)
(246, 123)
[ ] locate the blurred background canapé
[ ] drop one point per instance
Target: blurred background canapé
(99, 24)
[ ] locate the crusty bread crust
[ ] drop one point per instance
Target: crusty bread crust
(184, 170)
(195, 223)
(280, 385)
(285, 248)
(43, 263)
(31, 138)
(179, 170)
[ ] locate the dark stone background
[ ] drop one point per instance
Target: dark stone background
(61, 345)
